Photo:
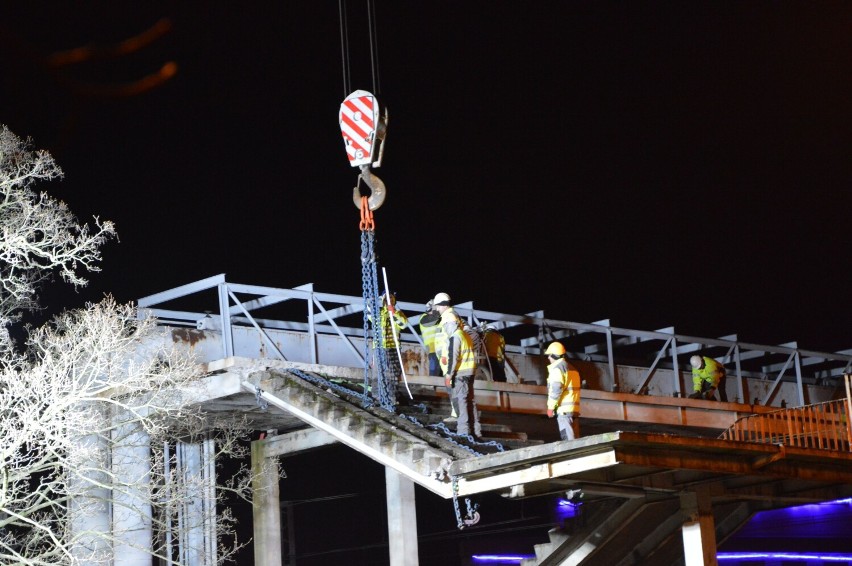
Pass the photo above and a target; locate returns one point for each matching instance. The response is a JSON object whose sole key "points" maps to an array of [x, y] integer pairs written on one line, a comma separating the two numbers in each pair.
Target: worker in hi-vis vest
{"points": [[458, 362], [390, 315], [429, 330], [708, 375], [563, 392], [495, 349]]}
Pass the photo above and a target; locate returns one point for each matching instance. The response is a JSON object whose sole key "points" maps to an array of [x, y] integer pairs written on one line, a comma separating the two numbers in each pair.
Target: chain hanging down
{"points": [[363, 126], [374, 355]]}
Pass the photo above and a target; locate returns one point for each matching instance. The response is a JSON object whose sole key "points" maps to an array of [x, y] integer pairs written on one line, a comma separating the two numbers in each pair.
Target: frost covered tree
{"points": [[98, 433], [40, 236]]}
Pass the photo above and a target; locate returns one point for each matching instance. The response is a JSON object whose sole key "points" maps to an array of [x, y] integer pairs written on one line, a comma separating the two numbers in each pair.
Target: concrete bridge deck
{"points": [[661, 458]]}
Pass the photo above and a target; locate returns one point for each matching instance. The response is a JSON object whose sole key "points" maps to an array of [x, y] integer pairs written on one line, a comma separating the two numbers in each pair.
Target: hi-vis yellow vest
{"points": [[563, 388], [429, 334], [460, 359]]}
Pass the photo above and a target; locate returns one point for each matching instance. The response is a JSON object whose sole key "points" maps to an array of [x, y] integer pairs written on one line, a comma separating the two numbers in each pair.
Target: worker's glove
{"points": [[696, 395], [550, 413]]}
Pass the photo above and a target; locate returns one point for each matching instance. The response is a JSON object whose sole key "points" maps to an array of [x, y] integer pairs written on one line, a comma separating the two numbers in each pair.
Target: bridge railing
{"points": [[215, 304], [824, 426]]}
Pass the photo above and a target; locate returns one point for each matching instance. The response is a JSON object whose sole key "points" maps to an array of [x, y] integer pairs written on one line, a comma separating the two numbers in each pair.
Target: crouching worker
{"points": [[708, 375], [563, 392]]}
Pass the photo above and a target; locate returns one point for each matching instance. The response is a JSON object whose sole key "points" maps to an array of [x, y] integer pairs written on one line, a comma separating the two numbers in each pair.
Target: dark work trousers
{"points": [[434, 366]]}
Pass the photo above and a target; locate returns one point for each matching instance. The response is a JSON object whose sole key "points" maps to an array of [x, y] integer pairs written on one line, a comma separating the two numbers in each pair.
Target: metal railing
{"points": [[600, 342], [824, 426]]}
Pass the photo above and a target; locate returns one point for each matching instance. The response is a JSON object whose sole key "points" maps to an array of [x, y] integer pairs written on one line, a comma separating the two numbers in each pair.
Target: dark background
{"points": [[654, 163]]}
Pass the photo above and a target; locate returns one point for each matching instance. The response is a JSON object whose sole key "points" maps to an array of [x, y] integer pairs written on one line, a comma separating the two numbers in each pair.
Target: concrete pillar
{"points": [[131, 503], [402, 519], [190, 514], [699, 529], [208, 475], [266, 507], [88, 504]]}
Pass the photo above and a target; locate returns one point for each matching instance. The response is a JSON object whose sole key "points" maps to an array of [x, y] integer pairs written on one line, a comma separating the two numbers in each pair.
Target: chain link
{"points": [[375, 355], [324, 383], [455, 481]]}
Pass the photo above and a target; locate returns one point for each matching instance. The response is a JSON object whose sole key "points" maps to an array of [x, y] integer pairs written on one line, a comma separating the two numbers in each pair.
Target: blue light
{"points": [[501, 558], [813, 521], [567, 509], [827, 557]]}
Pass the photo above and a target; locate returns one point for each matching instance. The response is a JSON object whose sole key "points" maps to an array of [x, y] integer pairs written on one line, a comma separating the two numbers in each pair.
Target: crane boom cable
{"points": [[374, 46], [344, 47]]}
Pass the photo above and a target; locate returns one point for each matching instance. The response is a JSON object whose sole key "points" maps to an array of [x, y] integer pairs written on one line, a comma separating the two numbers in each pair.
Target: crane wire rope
{"points": [[344, 47], [374, 46]]}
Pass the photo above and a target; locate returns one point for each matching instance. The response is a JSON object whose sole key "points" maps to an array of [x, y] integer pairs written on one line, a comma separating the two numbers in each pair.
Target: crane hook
{"points": [[378, 192]]}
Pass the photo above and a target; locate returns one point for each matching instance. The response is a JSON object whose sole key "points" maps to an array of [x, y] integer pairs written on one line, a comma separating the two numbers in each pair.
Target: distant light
{"points": [[501, 558], [568, 509], [828, 557]]}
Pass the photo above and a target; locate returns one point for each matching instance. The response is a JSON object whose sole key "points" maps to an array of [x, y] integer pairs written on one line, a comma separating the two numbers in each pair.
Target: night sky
{"points": [[654, 163]]}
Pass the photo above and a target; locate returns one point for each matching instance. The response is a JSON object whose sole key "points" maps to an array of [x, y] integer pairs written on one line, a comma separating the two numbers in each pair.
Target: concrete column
{"points": [[402, 519], [699, 529], [131, 503], [266, 507], [89, 502], [191, 512]]}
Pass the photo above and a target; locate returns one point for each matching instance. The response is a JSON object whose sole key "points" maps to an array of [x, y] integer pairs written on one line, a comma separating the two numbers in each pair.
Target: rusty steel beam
{"points": [[604, 405]]}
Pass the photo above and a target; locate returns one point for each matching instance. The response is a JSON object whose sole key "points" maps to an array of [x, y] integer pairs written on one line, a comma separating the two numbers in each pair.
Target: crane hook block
{"points": [[363, 125], [378, 192]]}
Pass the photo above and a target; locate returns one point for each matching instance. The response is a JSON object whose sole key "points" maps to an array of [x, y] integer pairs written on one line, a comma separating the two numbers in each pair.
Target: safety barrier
{"points": [[823, 426], [327, 314]]}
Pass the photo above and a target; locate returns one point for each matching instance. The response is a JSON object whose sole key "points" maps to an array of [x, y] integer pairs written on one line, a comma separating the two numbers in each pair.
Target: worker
{"points": [[563, 392], [456, 357], [429, 329], [708, 375], [480, 358], [390, 315], [495, 349], [441, 344]]}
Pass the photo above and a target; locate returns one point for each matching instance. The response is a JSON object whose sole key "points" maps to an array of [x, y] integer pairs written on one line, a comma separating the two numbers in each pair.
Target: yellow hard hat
{"points": [[555, 349]]}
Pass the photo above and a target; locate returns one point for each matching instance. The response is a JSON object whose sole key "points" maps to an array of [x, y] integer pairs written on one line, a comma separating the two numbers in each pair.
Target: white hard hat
{"points": [[695, 361], [441, 299]]}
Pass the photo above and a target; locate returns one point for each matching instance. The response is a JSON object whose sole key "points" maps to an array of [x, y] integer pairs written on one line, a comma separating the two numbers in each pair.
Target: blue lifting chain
{"points": [[370, 284]]}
